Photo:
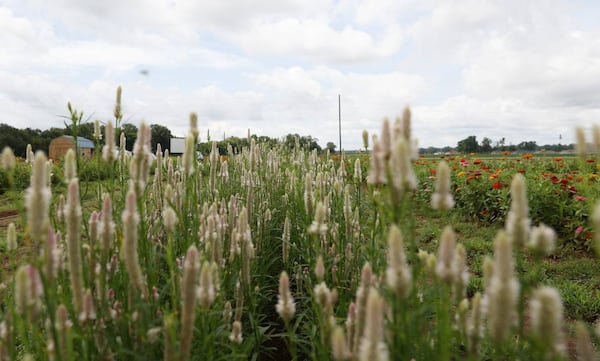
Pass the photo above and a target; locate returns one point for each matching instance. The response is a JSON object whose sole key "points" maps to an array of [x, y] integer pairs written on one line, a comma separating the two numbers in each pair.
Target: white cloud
{"points": [[488, 68], [317, 40], [307, 100]]}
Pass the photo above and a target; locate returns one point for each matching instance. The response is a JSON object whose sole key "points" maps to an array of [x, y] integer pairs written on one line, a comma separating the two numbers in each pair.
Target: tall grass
{"points": [[270, 253]]}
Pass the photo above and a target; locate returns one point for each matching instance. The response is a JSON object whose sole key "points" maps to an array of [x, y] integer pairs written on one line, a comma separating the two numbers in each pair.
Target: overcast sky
{"points": [[523, 70]]}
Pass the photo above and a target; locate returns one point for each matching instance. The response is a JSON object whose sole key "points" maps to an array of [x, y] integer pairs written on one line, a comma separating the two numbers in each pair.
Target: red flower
{"points": [[591, 161], [579, 198], [497, 185], [578, 230]]}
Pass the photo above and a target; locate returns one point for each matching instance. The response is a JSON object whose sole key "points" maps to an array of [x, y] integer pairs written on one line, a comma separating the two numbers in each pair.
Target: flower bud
{"points": [[286, 307]]}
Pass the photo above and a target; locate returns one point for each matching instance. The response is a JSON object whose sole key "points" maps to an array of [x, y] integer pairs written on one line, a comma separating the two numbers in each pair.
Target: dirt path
{"points": [[8, 216]]}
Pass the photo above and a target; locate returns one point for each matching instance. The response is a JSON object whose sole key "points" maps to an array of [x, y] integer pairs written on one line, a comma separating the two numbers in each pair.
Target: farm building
{"points": [[59, 146]]}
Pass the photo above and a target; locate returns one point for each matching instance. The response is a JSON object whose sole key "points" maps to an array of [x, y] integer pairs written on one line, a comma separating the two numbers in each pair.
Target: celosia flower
{"points": [[11, 237], [503, 291], [445, 269], [117, 113], [286, 307], [517, 220], [7, 160], [442, 199], [339, 346], [398, 274], [285, 239], [169, 218], [140, 162], [206, 291], [318, 226], [361, 305], [323, 295], [73, 238], [106, 226], [194, 126], [402, 174], [227, 313], [320, 269], [129, 251], [28, 292], [236, 333], [108, 150], [70, 166], [474, 324], [97, 133], [88, 312], [372, 344], [37, 200], [63, 324], [386, 140], [542, 239], [547, 321], [580, 144], [584, 345], [188, 297], [29, 156], [377, 172], [308, 194], [462, 272]]}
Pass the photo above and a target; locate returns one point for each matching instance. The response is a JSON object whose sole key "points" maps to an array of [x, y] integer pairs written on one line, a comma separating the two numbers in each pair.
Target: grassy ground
{"points": [[574, 273]]}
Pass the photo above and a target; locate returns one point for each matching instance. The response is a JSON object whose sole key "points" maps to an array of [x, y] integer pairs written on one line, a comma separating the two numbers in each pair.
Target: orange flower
{"points": [[558, 159], [477, 161], [527, 156]]}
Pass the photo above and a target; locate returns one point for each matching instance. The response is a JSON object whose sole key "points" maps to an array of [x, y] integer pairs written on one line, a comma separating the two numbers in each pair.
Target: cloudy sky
{"points": [[522, 70]]}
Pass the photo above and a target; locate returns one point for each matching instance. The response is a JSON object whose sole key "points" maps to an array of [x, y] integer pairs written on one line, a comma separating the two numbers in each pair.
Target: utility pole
{"points": [[340, 119]]}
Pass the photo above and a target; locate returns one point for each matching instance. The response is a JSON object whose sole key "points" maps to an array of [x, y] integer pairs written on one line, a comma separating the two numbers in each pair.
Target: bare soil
{"points": [[8, 216]]}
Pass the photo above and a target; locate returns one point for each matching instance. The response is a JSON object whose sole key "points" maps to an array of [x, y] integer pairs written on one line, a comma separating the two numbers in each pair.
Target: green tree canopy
{"points": [[160, 135], [468, 145], [130, 131]]}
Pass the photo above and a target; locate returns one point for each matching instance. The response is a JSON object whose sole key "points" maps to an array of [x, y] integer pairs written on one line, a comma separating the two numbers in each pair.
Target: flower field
{"points": [[277, 253]]}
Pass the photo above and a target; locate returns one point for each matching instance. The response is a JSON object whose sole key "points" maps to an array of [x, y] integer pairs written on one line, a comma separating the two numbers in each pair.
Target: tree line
{"points": [[18, 139], [470, 144]]}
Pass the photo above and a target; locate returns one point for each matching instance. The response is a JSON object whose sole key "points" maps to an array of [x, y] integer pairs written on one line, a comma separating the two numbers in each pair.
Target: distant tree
{"points": [[272, 142], [160, 134], [527, 146], [486, 145], [53, 133], [500, 144], [306, 142], [14, 138], [468, 145], [331, 147], [130, 131]]}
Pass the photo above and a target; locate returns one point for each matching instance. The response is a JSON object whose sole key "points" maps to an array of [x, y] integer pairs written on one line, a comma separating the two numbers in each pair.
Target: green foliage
{"points": [[468, 145], [233, 210], [160, 135]]}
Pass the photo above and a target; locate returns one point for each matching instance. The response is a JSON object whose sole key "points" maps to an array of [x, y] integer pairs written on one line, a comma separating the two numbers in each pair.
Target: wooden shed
{"points": [[59, 146]]}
